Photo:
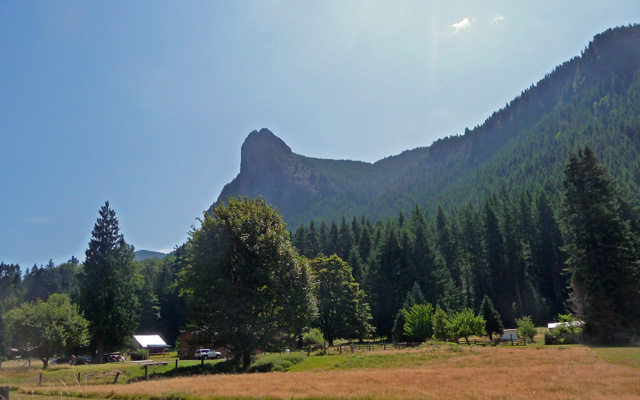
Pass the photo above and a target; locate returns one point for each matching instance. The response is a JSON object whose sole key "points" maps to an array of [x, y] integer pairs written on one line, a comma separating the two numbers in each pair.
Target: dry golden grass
{"points": [[488, 373]]}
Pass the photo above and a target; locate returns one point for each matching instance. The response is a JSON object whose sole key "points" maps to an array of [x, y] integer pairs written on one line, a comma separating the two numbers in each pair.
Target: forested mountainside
{"points": [[593, 100]]}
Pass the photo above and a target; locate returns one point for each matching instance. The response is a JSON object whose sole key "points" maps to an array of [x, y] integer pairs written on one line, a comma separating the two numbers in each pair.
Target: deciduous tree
{"points": [[342, 309], [418, 322], [246, 283], [465, 323], [51, 327]]}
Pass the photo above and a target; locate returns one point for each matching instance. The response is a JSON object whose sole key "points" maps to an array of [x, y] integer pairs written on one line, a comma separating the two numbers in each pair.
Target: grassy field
{"points": [[629, 356], [445, 372]]}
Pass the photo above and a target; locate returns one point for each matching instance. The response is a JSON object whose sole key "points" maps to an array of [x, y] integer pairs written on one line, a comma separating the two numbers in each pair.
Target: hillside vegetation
{"points": [[592, 99]]}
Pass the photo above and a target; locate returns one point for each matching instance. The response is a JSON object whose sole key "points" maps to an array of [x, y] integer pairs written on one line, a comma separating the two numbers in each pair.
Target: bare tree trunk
{"points": [[246, 359], [100, 348]]}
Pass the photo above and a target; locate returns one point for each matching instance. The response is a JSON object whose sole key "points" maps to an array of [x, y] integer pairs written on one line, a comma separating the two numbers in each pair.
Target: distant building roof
{"points": [[146, 341], [552, 325]]}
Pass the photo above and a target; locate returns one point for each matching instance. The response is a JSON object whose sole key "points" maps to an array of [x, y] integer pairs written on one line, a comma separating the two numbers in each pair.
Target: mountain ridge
{"points": [[590, 99]]}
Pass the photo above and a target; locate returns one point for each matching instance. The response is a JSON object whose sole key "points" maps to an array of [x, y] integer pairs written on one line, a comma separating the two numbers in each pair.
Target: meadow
{"points": [[430, 372]]}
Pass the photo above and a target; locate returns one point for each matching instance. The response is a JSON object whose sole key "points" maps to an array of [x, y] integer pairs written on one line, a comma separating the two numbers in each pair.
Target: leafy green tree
{"points": [[52, 327], [603, 260], [109, 284], [313, 337], [415, 296], [246, 283], [418, 324], [493, 322], [465, 323], [441, 324], [342, 309], [568, 324], [526, 329]]}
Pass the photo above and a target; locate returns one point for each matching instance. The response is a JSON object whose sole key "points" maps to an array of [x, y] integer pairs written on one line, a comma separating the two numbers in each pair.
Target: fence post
{"points": [[4, 392], [118, 374], [145, 370], [40, 380], [78, 378], [176, 363]]}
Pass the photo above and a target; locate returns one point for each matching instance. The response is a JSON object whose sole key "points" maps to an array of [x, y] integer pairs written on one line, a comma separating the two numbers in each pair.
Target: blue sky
{"points": [[146, 103]]}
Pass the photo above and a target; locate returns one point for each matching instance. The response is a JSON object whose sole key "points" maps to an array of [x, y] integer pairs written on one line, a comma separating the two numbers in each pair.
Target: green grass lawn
{"points": [[380, 359], [629, 356], [13, 373]]}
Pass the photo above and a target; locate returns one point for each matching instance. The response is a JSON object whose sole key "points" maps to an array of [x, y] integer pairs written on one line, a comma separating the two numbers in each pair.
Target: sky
{"points": [[146, 104]]}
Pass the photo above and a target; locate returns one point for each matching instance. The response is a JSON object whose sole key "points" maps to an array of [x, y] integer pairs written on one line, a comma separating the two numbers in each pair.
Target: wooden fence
{"points": [[346, 348]]}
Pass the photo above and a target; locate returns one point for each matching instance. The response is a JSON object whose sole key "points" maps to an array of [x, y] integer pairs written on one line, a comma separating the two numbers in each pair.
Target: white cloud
{"points": [[464, 24], [497, 19]]}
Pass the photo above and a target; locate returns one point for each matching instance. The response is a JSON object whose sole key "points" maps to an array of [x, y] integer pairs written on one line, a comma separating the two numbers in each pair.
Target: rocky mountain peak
{"points": [[262, 150]]}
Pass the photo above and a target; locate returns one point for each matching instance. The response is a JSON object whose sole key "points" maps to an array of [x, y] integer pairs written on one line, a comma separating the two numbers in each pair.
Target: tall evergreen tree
{"points": [[605, 278], [422, 259], [446, 245], [312, 242], [108, 290], [345, 239], [495, 257], [493, 321], [548, 256], [477, 282]]}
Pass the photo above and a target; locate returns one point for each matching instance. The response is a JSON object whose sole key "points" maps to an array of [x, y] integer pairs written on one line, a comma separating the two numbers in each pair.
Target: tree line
{"points": [[245, 282]]}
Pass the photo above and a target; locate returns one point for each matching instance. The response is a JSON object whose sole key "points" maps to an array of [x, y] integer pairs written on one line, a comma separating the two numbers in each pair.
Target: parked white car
{"points": [[205, 354]]}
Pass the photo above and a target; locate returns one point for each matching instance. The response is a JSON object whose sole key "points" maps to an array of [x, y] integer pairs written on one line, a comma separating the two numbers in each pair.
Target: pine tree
{"points": [[494, 253], [605, 278], [493, 322], [548, 257], [108, 289]]}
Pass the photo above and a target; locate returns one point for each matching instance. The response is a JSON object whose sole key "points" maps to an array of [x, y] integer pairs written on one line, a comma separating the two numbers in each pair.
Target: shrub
{"points": [[275, 362], [140, 354], [568, 324], [313, 338], [418, 325], [526, 328], [440, 324]]}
